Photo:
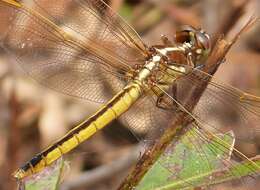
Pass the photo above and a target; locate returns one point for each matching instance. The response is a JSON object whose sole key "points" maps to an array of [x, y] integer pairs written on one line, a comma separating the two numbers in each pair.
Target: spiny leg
{"points": [[166, 103]]}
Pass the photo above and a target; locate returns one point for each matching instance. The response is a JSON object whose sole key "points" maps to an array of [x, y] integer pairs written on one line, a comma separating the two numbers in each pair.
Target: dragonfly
{"points": [[92, 53]]}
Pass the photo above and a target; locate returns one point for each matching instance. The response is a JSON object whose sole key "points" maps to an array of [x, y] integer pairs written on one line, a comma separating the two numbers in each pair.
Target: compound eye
{"points": [[182, 36], [202, 41], [185, 34]]}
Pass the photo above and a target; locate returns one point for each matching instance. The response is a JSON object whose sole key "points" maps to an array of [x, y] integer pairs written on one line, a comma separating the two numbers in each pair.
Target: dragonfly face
{"points": [[197, 39]]}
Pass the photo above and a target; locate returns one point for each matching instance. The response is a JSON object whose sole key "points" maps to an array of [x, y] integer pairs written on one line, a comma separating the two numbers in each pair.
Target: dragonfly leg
{"points": [[160, 103], [189, 60], [165, 102]]}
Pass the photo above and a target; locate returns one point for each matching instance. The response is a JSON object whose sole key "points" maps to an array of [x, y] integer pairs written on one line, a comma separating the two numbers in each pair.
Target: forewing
{"points": [[95, 21], [67, 59]]}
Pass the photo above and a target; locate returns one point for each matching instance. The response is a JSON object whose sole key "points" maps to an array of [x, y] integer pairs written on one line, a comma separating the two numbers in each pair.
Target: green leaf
{"points": [[195, 162], [49, 178]]}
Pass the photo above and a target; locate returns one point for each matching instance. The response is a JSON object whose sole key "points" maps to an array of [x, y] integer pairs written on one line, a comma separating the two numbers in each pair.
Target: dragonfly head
{"points": [[197, 39]]}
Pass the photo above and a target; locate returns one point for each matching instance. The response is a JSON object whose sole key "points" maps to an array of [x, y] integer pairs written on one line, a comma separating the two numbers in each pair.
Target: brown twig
{"points": [[182, 120]]}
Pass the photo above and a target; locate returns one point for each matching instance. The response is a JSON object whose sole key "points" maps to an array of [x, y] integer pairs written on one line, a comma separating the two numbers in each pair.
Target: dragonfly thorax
{"points": [[146, 73], [158, 71]]}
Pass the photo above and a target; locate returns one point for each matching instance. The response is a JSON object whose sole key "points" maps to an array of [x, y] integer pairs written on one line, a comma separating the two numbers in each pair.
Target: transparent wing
{"points": [[145, 119], [74, 61], [95, 21], [221, 106]]}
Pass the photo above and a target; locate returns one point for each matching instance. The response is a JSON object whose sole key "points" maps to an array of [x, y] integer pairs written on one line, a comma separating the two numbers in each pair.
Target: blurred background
{"points": [[32, 116]]}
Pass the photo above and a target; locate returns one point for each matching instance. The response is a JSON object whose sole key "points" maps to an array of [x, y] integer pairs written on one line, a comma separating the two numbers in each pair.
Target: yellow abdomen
{"points": [[110, 111]]}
